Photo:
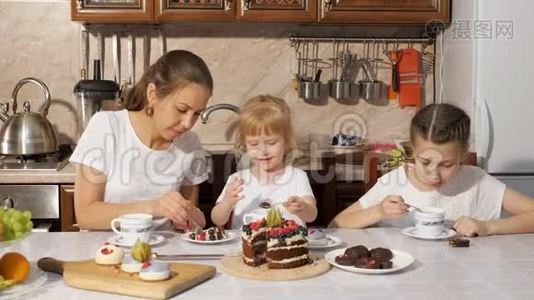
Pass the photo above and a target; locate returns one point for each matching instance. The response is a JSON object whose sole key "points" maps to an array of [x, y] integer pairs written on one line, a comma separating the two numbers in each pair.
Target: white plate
{"points": [[154, 240], [35, 280], [333, 241], [411, 232], [400, 261], [229, 235]]}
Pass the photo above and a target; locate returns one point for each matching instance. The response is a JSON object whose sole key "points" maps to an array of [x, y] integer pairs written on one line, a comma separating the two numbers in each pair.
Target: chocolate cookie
{"points": [[380, 253], [344, 260], [457, 242], [357, 252], [386, 264], [368, 263]]}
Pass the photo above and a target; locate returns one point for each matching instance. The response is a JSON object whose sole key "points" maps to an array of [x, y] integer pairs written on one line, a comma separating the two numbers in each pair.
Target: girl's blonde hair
{"points": [[268, 115]]}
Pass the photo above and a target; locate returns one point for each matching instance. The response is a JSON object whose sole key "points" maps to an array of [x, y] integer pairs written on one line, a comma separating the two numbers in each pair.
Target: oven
{"points": [[42, 200]]}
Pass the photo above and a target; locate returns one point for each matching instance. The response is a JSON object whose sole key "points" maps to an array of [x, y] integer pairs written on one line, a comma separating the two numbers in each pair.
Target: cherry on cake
{"points": [[277, 242]]}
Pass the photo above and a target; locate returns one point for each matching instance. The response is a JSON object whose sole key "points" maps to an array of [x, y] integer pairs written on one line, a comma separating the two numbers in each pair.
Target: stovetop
{"points": [[40, 162]]}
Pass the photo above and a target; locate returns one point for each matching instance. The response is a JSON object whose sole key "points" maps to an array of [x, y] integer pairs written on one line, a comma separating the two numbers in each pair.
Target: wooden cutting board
{"points": [[90, 276], [234, 265]]}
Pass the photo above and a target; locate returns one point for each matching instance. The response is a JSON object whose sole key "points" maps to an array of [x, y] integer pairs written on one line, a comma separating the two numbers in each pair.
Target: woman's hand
{"points": [[175, 207], [231, 194], [470, 227], [393, 207]]}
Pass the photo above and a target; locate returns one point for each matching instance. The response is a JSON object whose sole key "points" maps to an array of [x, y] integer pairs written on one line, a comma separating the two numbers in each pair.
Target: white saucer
{"points": [[154, 240], [411, 232], [333, 241], [400, 261]]}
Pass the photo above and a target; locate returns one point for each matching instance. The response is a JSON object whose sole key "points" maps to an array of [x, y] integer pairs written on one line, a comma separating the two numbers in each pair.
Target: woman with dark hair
{"points": [[143, 159]]}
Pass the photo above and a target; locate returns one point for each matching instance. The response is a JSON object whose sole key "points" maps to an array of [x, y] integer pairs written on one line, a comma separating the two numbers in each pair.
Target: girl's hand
{"points": [[393, 207], [294, 205], [232, 192], [173, 206], [470, 227]]}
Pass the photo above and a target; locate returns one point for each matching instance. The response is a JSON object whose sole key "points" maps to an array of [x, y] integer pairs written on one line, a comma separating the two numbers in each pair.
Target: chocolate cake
{"points": [[278, 242], [361, 257]]}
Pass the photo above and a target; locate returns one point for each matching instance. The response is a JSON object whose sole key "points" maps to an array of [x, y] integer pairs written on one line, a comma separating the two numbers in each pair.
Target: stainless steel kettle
{"points": [[27, 133]]}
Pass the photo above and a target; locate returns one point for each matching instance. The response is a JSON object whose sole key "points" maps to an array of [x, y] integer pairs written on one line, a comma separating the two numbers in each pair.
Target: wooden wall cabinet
{"points": [[112, 11], [195, 10], [384, 11], [285, 11]]}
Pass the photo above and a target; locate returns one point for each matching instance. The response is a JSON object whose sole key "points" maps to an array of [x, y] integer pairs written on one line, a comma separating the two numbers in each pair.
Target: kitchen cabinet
{"points": [[297, 11], [112, 11], [68, 217], [287, 11], [384, 11], [195, 10]]}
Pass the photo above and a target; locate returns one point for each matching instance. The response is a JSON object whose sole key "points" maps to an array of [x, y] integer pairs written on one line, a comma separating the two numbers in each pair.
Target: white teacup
{"points": [[133, 227], [430, 221]]}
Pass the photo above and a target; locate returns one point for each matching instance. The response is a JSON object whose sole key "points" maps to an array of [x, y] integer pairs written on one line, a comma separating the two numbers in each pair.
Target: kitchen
{"points": [[55, 55]]}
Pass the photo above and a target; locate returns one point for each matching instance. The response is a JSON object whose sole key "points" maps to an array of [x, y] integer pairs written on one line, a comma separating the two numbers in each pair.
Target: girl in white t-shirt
{"points": [[267, 139], [472, 199], [143, 159]]}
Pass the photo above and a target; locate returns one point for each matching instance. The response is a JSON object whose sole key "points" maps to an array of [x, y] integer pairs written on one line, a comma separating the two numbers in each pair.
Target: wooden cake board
{"points": [[235, 266]]}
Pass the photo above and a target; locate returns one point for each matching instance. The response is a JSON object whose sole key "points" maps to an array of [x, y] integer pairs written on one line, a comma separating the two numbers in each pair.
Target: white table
{"points": [[496, 267]]}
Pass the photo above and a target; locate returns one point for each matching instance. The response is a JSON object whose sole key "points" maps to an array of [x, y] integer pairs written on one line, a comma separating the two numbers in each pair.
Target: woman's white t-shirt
{"points": [[293, 182], [472, 192], [135, 172]]}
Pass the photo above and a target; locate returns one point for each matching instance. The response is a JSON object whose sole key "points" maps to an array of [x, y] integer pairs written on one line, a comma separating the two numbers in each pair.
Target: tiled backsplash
{"points": [[38, 39]]}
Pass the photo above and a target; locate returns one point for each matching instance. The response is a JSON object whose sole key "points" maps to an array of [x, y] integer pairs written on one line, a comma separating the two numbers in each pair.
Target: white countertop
{"points": [[496, 267], [66, 175]]}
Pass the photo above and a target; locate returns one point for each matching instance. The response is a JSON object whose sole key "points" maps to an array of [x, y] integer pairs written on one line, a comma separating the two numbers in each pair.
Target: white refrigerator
{"points": [[500, 84]]}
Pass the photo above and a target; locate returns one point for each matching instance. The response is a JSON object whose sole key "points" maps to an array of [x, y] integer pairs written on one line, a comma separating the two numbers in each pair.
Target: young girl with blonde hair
{"points": [[266, 139]]}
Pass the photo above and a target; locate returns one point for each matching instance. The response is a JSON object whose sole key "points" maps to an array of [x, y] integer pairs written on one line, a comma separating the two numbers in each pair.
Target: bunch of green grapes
{"points": [[16, 223]]}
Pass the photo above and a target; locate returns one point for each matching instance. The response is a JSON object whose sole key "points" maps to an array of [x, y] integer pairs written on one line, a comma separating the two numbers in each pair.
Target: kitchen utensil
{"points": [[100, 52], [268, 205], [339, 89], [414, 207], [235, 266], [90, 276], [95, 95], [26, 132], [394, 57], [309, 90], [84, 53], [370, 88], [146, 49], [115, 47], [176, 257]]}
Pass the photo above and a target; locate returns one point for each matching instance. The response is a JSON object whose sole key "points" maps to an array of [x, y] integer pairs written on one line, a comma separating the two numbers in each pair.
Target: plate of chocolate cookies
{"points": [[360, 259]]}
